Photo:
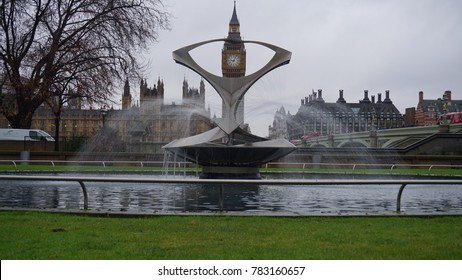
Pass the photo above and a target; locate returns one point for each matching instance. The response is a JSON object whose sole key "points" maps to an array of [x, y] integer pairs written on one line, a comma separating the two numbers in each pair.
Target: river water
{"points": [[168, 198]]}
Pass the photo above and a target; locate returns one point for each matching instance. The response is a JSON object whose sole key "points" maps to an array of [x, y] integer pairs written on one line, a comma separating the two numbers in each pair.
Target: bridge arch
{"points": [[391, 141], [352, 144], [319, 145]]}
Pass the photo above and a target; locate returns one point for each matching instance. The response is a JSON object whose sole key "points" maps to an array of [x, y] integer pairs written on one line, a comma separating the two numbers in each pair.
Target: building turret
{"points": [[185, 88], [160, 88], [151, 98], [126, 97], [142, 88], [202, 91], [194, 96]]}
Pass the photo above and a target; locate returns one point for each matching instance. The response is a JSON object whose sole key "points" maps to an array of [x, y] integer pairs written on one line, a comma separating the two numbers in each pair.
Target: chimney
{"points": [[373, 99], [319, 99], [366, 95], [421, 96], [387, 97], [340, 97], [303, 101], [379, 97]]}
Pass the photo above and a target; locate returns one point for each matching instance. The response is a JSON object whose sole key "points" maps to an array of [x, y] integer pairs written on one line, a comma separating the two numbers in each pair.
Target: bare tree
{"points": [[50, 47]]}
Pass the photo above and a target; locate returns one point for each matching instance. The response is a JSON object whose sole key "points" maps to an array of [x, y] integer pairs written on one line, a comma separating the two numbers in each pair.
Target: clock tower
{"points": [[233, 57], [233, 53]]}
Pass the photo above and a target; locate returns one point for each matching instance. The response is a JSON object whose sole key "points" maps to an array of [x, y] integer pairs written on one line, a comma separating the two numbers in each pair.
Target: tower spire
{"points": [[234, 32], [234, 19]]}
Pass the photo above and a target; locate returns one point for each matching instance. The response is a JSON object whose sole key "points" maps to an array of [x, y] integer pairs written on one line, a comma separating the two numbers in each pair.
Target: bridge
{"points": [[387, 138]]}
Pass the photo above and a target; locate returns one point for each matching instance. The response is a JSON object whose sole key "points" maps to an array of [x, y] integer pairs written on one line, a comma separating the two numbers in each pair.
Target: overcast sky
{"points": [[404, 46]]}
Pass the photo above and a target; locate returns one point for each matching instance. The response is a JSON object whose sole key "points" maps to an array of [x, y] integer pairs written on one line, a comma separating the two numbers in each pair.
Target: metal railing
{"points": [[101, 163], [354, 167], [209, 182], [303, 167]]}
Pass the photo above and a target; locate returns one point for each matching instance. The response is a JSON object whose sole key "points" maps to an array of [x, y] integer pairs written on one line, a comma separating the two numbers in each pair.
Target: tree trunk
{"points": [[24, 114], [57, 122], [23, 119]]}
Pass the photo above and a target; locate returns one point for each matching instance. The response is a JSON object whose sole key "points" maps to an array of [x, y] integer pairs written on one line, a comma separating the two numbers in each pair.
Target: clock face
{"points": [[233, 60]]}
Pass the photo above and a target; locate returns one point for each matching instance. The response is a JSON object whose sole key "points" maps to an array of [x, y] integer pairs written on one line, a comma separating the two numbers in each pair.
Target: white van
{"points": [[11, 134]]}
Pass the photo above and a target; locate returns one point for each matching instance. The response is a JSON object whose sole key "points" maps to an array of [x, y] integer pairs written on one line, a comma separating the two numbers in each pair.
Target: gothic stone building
{"points": [[317, 117], [154, 121], [150, 121]]}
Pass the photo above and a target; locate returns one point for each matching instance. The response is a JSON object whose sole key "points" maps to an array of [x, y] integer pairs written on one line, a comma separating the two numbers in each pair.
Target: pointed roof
{"points": [[234, 33], [126, 88], [234, 19]]}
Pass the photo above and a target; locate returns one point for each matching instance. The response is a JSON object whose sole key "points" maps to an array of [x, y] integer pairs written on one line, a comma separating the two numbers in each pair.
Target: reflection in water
{"points": [[250, 198]]}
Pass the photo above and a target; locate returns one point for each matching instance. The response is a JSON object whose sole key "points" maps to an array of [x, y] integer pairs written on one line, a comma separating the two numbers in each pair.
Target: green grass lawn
{"points": [[37, 235]]}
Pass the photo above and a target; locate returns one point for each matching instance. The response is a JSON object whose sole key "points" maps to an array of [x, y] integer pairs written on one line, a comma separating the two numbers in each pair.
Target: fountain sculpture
{"points": [[229, 151]]}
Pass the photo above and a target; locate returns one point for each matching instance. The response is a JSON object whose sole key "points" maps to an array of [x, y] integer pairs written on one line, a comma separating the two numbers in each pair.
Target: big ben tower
{"points": [[233, 59]]}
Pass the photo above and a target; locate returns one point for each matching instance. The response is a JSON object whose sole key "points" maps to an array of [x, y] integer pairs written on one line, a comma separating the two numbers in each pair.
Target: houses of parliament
{"points": [[149, 121]]}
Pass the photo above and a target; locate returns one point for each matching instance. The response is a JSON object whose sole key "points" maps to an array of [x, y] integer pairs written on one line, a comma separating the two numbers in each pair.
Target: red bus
{"points": [[450, 118]]}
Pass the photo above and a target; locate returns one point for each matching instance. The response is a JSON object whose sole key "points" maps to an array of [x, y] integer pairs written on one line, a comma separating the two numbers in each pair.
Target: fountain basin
{"points": [[222, 161]]}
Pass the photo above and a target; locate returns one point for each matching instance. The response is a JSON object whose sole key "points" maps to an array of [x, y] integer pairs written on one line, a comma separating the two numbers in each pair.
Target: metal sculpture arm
{"points": [[231, 90]]}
